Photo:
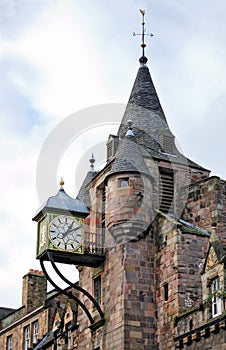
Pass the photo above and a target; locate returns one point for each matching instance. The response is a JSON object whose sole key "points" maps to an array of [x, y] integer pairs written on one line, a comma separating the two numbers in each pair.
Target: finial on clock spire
{"points": [[61, 183]]}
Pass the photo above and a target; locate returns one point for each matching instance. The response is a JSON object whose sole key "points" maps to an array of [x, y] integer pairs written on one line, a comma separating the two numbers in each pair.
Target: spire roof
{"points": [[145, 112], [144, 108], [83, 194]]}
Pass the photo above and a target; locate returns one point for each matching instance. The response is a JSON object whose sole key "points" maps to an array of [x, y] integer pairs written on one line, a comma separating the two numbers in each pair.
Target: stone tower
{"points": [[138, 197]]}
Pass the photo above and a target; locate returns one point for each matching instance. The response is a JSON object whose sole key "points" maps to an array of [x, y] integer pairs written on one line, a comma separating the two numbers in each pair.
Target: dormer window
{"points": [[112, 145], [167, 143]]}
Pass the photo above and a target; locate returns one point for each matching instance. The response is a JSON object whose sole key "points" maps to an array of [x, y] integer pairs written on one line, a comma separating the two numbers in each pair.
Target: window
{"points": [[97, 288], [112, 145], [103, 216], [10, 342], [166, 291], [35, 332], [26, 337], [68, 336], [110, 149], [216, 300], [70, 340], [123, 182]]}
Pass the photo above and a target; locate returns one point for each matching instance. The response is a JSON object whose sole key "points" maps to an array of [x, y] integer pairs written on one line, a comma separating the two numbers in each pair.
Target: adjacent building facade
{"points": [[153, 251], [45, 320]]}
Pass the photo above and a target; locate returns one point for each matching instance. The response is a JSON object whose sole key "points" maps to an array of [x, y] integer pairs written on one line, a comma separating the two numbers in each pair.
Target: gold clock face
{"points": [[65, 233]]}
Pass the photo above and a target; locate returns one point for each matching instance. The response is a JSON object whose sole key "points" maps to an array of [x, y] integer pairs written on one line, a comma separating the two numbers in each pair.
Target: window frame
{"points": [[27, 337], [123, 182], [69, 338], [35, 332], [97, 286], [216, 300], [9, 342], [166, 291]]}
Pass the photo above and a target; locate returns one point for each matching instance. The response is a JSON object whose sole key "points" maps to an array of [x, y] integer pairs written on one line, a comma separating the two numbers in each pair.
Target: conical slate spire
{"points": [[83, 194], [144, 108], [149, 122]]}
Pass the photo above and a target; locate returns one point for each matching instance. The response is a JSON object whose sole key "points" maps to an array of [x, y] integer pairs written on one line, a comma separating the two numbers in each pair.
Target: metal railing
{"points": [[93, 243]]}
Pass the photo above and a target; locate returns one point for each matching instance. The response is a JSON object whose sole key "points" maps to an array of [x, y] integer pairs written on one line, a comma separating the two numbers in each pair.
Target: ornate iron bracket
{"points": [[100, 322]]}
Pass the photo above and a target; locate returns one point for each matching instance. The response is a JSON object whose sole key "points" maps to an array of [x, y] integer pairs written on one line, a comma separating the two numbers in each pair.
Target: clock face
{"points": [[65, 233]]}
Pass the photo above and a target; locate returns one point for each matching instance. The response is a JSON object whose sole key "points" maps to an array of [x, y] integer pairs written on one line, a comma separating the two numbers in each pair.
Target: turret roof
{"points": [[128, 157]]}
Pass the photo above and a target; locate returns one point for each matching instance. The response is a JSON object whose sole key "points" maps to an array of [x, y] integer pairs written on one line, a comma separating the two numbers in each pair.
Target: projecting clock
{"points": [[65, 233]]}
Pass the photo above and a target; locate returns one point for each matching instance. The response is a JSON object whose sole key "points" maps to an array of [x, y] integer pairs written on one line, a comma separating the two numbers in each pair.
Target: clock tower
{"points": [[62, 233]]}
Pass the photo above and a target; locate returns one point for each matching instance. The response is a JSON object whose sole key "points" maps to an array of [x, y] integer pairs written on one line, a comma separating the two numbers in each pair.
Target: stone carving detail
{"points": [[212, 259]]}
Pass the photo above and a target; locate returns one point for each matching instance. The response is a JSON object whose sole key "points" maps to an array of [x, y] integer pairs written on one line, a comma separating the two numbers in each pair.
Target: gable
{"points": [[57, 321], [211, 260]]}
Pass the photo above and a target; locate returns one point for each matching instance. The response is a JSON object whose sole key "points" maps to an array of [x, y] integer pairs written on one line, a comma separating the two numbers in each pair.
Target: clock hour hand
{"points": [[70, 229]]}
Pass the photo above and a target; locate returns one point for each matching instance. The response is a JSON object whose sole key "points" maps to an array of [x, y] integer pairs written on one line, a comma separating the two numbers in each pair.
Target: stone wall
{"points": [[111, 335], [139, 295], [178, 280], [206, 205]]}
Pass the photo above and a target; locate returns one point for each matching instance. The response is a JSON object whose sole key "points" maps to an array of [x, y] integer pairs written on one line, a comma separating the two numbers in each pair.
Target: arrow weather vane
{"points": [[143, 59]]}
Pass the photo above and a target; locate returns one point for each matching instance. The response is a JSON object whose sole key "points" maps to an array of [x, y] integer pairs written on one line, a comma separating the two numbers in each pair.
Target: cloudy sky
{"points": [[58, 57]]}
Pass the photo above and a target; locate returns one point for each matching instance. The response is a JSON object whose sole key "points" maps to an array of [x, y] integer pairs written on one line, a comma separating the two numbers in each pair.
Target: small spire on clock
{"points": [[143, 59], [92, 161], [61, 183]]}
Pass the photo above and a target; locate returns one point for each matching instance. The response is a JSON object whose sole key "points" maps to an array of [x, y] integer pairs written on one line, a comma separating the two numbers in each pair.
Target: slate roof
{"points": [[144, 112], [149, 121], [184, 226], [83, 194], [144, 108], [62, 201], [128, 157], [5, 311]]}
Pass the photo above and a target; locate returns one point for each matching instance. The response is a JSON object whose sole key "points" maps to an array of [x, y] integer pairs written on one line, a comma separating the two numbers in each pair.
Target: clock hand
{"points": [[71, 230]]}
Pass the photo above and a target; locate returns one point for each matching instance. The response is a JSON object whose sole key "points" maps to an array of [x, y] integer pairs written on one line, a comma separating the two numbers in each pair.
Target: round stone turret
{"points": [[128, 192]]}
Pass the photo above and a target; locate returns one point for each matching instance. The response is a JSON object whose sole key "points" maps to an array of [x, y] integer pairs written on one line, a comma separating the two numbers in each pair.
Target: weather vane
{"points": [[143, 59]]}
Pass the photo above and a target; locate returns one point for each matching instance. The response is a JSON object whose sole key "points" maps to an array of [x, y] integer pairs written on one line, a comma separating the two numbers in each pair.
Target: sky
{"points": [[64, 59]]}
